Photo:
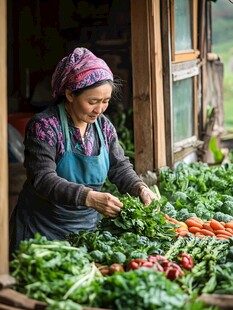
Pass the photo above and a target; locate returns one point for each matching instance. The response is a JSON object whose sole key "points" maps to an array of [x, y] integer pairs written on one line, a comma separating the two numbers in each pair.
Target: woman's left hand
{"points": [[147, 195]]}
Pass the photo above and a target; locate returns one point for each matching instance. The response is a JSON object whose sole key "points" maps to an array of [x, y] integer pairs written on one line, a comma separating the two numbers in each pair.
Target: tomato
{"points": [[115, 268]]}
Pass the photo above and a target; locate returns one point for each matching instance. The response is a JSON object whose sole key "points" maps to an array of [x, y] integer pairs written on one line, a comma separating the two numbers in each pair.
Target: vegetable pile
{"points": [[163, 256]]}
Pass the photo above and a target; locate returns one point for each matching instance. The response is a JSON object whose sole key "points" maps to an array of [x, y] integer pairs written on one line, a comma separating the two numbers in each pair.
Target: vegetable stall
{"points": [[177, 253]]}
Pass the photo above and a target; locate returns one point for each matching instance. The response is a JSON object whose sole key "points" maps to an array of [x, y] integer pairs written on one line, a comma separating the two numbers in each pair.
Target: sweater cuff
{"points": [[83, 195], [137, 189]]}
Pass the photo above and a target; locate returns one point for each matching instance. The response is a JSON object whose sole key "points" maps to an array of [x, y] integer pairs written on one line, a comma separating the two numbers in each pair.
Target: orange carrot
{"points": [[208, 227], [180, 229], [223, 232], [198, 234], [222, 236], [174, 221], [229, 229], [194, 229], [229, 224], [223, 224], [216, 224], [183, 233], [197, 219], [193, 223], [207, 232], [166, 217]]}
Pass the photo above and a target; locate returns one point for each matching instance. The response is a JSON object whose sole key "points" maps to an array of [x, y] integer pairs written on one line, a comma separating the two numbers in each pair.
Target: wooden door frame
{"points": [[147, 77], [5, 279]]}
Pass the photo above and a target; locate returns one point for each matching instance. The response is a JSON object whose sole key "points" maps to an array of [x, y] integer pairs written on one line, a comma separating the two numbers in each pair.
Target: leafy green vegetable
{"points": [[222, 217], [135, 217], [227, 208], [51, 270], [140, 289], [105, 248], [170, 210], [200, 189]]}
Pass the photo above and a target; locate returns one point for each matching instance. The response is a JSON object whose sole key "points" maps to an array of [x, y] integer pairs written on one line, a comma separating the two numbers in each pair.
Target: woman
{"points": [[70, 150]]}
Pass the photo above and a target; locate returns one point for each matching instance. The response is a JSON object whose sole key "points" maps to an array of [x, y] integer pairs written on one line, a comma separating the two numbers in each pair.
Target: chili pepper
{"points": [[186, 261]]}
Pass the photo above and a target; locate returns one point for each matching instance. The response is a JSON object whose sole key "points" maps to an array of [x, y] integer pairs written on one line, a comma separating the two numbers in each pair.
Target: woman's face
{"points": [[89, 105]]}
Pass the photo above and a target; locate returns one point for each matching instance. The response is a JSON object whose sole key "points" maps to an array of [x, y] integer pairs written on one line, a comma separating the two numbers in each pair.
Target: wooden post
{"points": [[5, 279], [157, 84], [148, 103], [142, 103]]}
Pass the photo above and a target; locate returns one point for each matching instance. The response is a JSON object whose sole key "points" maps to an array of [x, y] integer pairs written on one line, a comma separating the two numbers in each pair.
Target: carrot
{"points": [[208, 227], [229, 225], [223, 232], [180, 229], [199, 235], [216, 225], [194, 229], [174, 221], [229, 229], [190, 223], [167, 217], [223, 224], [183, 233], [197, 219], [207, 232], [222, 236]]}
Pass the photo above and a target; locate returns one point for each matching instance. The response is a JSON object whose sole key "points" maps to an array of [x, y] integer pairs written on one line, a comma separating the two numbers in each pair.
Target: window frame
{"points": [[193, 53]]}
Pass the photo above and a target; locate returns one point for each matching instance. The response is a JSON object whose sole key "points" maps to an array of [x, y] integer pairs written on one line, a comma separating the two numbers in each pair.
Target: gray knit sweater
{"points": [[44, 147]]}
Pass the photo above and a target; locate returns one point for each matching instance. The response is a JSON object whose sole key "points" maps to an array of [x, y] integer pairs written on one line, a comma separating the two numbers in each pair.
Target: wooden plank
{"points": [[4, 265], [167, 82], [141, 77], [6, 307], [15, 299], [157, 84]]}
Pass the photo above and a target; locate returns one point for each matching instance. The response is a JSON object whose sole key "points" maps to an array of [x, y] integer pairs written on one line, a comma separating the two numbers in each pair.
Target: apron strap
{"points": [[100, 134], [64, 125], [65, 128]]}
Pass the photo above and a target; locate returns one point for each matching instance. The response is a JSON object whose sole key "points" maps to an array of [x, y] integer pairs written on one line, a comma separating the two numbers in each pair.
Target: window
{"points": [[184, 30], [185, 70]]}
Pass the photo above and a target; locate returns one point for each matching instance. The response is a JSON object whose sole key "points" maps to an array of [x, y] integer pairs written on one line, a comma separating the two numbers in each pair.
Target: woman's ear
{"points": [[69, 95]]}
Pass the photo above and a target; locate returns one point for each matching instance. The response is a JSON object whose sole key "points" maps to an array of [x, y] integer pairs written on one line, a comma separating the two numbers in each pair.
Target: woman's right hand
{"points": [[104, 203]]}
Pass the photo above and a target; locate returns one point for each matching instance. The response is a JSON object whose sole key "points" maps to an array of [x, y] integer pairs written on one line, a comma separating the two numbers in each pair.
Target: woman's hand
{"points": [[104, 203], [147, 195]]}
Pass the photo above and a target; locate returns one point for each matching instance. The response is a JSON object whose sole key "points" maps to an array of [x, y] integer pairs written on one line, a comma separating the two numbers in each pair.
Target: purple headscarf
{"points": [[79, 69]]}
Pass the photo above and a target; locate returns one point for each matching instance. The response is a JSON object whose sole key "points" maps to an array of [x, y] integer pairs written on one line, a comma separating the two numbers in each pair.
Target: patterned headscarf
{"points": [[79, 69]]}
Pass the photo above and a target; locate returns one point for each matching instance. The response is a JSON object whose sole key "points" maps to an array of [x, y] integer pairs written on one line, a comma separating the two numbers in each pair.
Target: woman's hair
{"points": [[116, 89]]}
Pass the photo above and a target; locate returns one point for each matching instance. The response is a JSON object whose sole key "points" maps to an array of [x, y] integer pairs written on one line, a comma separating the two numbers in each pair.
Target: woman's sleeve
{"points": [[43, 142], [121, 171]]}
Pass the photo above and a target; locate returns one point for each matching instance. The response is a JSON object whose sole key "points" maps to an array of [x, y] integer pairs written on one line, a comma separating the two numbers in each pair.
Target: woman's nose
{"points": [[99, 109]]}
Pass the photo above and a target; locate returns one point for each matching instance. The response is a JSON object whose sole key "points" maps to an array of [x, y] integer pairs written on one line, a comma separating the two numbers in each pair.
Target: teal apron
{"points": [[36, 214]]}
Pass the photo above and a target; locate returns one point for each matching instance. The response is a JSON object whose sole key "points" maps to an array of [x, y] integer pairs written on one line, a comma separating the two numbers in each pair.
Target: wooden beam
{"points": [[157, 84], [4, 265], [141, 76], [167, 79]]}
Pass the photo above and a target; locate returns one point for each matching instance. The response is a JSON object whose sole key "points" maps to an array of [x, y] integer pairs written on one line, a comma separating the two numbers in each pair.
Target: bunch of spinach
{"points": [[197, 188], [105, 248], [136, 218], [142, 289]]}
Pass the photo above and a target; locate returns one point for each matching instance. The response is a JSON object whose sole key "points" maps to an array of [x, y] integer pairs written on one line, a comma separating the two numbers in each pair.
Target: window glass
{"points": [[183, 109], [183, 28]]}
